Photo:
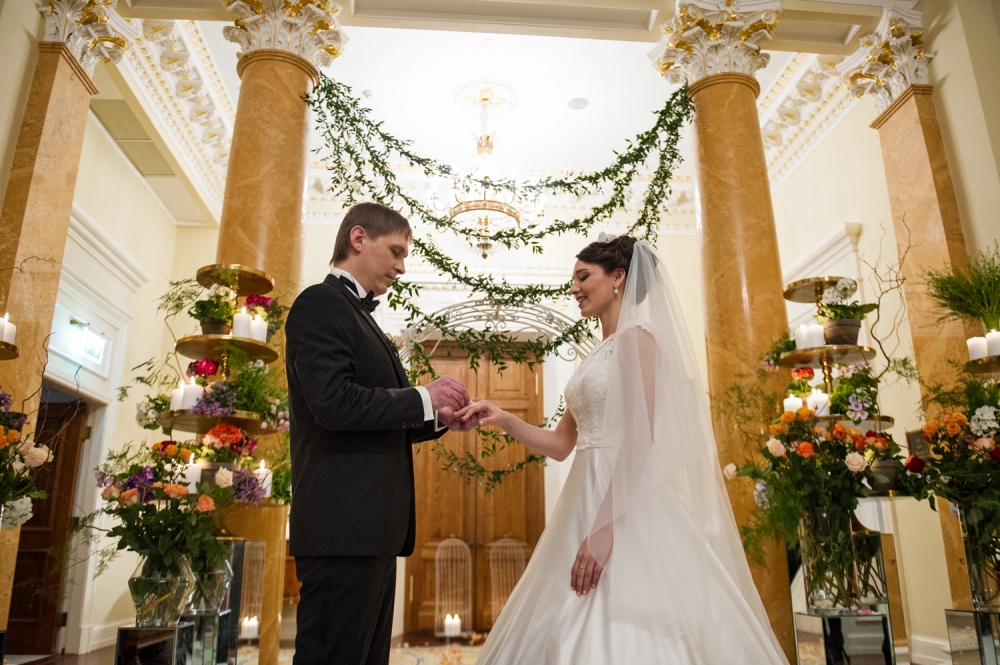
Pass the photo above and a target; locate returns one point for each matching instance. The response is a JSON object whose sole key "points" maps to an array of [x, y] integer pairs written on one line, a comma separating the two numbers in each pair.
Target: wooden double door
{"points": [[448, 506]]}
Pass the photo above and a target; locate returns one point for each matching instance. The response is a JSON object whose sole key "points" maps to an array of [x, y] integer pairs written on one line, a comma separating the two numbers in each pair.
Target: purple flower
{"points": [[246, 487], [141, 481], [856, 409], [760, 495], [6, 400], [103, 479], [219, 400]]}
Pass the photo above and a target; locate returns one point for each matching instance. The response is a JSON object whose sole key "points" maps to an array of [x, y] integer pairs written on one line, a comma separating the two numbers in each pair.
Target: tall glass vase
{"points": [[160, 596], [982, 555], [828, 562], [210, 589]]}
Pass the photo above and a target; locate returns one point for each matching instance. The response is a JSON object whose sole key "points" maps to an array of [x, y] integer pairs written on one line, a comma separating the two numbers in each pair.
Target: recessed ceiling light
{"points": [[578, 103], [367, 93]]}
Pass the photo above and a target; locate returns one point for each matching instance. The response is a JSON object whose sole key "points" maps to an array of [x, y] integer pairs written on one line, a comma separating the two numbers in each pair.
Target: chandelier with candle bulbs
{"points": [[487, 200]]}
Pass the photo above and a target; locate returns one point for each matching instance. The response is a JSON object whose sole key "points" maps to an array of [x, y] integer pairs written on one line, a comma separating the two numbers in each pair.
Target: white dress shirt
{"points": [[425, 397]]}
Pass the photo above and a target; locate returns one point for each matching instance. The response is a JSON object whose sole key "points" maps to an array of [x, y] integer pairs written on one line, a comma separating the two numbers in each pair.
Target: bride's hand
{"points": [[586, 571], [489, 414]]}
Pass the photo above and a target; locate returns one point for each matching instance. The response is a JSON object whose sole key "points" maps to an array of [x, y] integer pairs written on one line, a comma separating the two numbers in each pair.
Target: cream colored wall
{"points": [[116, 197], [21, 26], [964, 37], [843, 180]]}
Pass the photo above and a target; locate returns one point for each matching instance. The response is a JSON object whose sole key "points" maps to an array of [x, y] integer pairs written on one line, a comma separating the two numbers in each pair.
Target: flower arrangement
{"points": [[219, 305], [202, 368], [227, 444], [19, 455], [836, 303], [250, 387], [801, 378], [855, 394], [970, 297], [268, 309], [784, 344]]}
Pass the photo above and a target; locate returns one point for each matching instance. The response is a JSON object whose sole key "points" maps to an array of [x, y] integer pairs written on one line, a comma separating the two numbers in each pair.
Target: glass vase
{"points": [[828, 565], [982, 555], [160, 596], [210, 590]]}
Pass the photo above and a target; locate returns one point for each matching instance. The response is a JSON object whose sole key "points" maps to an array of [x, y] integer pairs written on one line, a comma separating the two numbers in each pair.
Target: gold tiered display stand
{"points": [[987, 365], [246, 281], [9, 351], [810, 291]]}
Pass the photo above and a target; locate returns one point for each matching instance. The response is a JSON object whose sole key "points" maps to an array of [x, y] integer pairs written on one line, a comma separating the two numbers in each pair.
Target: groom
{"points": [[354, 417]]}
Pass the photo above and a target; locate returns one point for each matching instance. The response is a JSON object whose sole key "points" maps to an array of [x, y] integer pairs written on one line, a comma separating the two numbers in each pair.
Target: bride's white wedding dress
{"points": [[673, 591]]}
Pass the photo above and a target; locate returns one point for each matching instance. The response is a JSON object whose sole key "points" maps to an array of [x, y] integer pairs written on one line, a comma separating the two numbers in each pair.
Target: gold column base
{"points": [[266, 522]]}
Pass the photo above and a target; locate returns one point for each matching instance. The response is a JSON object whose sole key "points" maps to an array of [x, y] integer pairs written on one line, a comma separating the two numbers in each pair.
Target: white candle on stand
{"points": [[9, 329], [258, 329], [177, 397], [819, 402], [452, 625], [264, 477], [977, 348], [992, 342], [250, 628], [801, 339], [815, 336], [241, 324], [192, 475], [3, 325], [793, 403], [192, 393]]}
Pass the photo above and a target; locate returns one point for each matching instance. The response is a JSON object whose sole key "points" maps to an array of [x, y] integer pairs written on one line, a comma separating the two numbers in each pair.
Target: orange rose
{"points": [[805, 413], [172, 450], [110, 492], [817, 431], [787, 417], [931, 428], [175, 491], [805, 449], [185, 454], [130, 497], [953, 428], [206, 504], [156, 447], [839, 432], [157, 484], [777, 430]]}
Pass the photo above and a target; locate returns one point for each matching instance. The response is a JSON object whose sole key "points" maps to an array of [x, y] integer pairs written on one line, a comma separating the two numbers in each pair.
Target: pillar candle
{"points": [[249, 628], [452, 625], [3, 325], [9, 330], [264, 477], [819, 402], [815, 336], [258, 329], [192, 475], [977, 348], [793, 403], [992, 342], [241, 324], [177, 397], [801, 341], [192, 393]]}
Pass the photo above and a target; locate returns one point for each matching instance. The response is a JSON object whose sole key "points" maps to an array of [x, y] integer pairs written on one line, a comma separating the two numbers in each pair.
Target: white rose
{"points": [[856, 462], [37, 456], [224, 478], [17, 513], [776, 448], [729, 471]]}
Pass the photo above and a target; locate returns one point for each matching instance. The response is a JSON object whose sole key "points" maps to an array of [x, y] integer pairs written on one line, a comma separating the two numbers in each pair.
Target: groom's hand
{"points": [[447, 392], [446, 417]]}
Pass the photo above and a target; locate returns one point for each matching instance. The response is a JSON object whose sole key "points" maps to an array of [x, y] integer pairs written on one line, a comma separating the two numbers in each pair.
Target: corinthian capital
{"points": [[92, 30], [711, 38], [307, 28], [890, 60]]}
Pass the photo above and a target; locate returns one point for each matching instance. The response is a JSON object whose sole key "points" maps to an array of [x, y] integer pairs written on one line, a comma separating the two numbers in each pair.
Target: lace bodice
{"points": [[587, 395]]}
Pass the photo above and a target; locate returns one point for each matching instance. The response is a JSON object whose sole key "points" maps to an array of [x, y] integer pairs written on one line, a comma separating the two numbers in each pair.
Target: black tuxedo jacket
{"points": [[353, 418]]}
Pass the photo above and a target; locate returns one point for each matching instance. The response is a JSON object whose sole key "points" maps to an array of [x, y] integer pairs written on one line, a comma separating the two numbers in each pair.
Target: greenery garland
{"points": [[359, 153]]}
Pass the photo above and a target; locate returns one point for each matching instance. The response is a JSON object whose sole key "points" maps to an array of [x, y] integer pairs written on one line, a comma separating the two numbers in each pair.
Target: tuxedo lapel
{"points": [[364, 314]]}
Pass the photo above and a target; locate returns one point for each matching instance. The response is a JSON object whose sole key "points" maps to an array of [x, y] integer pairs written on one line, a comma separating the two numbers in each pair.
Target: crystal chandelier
{"points": [[470, 200]]}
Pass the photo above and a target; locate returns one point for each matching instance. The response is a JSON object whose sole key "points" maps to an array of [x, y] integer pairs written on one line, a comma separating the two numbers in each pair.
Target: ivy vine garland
{"points": [[359, 152]]}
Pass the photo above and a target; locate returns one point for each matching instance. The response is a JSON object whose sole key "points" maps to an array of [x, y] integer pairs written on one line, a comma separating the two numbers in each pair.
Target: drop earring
{"points": [[616, 289]]}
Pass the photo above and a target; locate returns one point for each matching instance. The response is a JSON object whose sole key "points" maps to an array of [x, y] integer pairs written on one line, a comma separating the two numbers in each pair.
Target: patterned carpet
{"points": [[450, 655]]}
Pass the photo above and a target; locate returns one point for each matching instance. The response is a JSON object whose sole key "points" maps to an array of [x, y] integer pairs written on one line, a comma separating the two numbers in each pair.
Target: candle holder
{"points": [[810, 290], [214, 347], [9, 351], [185, 421], [245, 280], [987, 365], [825, 357]]}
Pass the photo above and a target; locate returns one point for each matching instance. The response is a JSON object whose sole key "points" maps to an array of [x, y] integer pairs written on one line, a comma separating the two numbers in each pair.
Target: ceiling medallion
{"points": [[483, 209]]}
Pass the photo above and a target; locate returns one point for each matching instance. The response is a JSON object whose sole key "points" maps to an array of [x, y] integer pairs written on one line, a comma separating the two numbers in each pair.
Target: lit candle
{"points": [[819, 402], [815, 336], [241, 324], [3, 325], [801, 339], [264, 477], [977, 348], [192, 475], [250, 628], [452, 625], [258, 329], [793, 403], [9, 329], [992, 341], [177, 397], [192, 393]]}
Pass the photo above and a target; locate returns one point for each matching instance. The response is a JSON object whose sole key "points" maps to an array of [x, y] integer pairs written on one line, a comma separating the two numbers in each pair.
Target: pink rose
{"points": [[775, 447], [729, 471], [856, 462], [206, 504], [129, 497], [37, 456], [984, 444], [110, 492]]}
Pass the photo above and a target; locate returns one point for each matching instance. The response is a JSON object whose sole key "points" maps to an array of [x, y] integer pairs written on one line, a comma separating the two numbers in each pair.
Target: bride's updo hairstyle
{"points": [[611, 255]]}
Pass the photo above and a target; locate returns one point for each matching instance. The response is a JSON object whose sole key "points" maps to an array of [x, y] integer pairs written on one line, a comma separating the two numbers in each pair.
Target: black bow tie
{"points": [[368, 301]]}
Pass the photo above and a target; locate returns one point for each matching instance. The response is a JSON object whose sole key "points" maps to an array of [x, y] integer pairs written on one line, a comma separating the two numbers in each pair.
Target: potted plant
{"points": [[215, 311], [855, 395], [971, 297], [841, 317], [268, 309]]}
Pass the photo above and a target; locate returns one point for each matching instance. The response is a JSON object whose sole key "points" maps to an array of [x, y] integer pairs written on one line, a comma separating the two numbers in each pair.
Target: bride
{"points": [[641, 562]]}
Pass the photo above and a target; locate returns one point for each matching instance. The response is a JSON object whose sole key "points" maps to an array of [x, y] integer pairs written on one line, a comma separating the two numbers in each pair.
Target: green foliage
{"points": [[856, 381], [179, 297], [280, 463], [970, 297], [800, 388], [851, 310]]}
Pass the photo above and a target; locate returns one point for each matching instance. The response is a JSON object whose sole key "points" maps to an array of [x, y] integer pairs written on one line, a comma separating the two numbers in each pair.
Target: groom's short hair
{"points": [[376, 219]]}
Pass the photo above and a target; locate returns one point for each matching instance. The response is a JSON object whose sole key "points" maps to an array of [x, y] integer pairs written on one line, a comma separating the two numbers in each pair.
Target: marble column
{"points": [[283, 44], [716, 53], [34, 220], [892, 67], [264, 203]]}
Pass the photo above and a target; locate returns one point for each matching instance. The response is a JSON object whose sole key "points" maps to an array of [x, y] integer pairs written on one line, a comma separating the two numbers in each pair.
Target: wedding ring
{"points": [[582, 567]]}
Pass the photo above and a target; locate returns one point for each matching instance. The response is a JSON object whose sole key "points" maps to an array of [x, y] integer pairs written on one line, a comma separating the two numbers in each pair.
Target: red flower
{"points": [[995, 454], [914, 464], [803, 373], [805, 449]]}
